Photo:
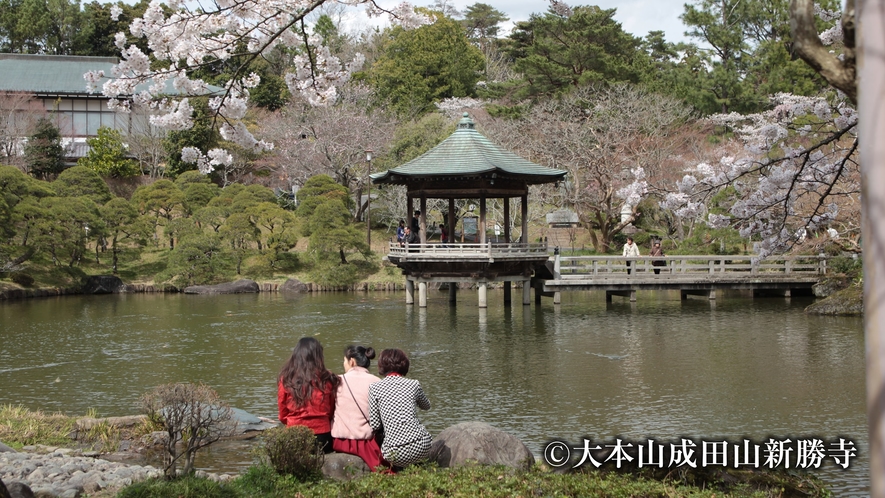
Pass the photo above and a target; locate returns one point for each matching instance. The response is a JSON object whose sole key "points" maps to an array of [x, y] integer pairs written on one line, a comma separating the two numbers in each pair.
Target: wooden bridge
{"points": [[691, 275], [533, 267]]}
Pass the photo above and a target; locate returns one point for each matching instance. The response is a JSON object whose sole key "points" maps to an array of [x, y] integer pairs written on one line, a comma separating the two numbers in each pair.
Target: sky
{"points": [[637, 17]]}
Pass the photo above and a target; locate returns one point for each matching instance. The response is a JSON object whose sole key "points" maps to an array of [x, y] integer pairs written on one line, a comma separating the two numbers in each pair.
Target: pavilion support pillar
{"points": [[483, 297], [507, 220], [423, 219], [453, 289], [526, 292], [410, 291], [507, 299], [450, 224], [482, 219], [422, 294], [409, 210], [524, 206]]}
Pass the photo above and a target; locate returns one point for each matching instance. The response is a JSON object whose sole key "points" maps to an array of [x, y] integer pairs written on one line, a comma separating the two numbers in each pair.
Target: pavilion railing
{"points": [[456, 250]]}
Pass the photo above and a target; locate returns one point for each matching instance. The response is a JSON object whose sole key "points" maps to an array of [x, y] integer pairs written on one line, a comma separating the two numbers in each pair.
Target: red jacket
{"points": [[316, 414]]}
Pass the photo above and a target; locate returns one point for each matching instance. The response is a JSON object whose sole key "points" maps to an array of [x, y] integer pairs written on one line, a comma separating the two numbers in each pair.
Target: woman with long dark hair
{"points": [[351, 432], [306, 391], [392, 405]]}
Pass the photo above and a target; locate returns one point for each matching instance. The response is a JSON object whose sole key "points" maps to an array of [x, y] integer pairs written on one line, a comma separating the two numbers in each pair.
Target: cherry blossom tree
{"points": [[614, 141], [330, 140], [183, 37], [19, 113]]}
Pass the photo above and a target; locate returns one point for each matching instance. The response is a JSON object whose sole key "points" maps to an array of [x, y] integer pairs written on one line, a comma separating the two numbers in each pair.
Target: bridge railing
{"points": [[489, 249], [693, 266]]}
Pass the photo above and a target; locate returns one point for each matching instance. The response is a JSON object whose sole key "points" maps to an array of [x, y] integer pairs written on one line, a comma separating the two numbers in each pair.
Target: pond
{"points": [[658, 368]]}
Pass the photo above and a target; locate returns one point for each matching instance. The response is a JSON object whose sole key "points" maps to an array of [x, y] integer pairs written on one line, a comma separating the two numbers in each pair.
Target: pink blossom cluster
{"points": [[182, 37]]}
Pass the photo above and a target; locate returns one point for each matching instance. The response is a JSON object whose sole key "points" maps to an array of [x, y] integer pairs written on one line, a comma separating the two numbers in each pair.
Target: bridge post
{"points": [[507, 298], [410, 291], [482, 287], [453, 287], [422, 294], [526, 292], [557, 274]]}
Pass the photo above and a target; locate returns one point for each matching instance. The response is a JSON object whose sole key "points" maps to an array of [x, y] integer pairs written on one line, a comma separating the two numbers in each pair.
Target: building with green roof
{"points": [[57, 86]]}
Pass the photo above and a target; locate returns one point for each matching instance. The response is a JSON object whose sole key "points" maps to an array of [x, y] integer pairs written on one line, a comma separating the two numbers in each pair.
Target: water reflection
{"points": [[658, 367]]}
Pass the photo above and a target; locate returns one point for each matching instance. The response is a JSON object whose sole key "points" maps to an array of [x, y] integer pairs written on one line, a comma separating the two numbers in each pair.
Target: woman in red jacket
{"points": [[306, 391]]}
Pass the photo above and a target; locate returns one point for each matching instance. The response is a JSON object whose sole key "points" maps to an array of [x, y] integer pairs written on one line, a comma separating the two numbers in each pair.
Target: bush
{"points": [[336, 275], [847, 265], [294, 451], [23, 279], [193, 416]]}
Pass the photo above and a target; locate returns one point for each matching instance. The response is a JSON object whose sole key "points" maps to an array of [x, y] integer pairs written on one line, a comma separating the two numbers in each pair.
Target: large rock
{"points": [[293, 285], [246, 422], [4, 493], [18, 490], [845, 302], [344, 467], [471, 443], [239, 287], [830, 285], [4, 449], [103, 284]]}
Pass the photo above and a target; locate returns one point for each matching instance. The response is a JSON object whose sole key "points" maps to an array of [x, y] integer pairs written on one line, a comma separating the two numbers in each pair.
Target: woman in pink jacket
{"points": [[351, 432]]}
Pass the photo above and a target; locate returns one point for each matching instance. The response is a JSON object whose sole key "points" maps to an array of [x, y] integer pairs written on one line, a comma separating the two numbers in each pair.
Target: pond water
{"points": [[657, 368]]}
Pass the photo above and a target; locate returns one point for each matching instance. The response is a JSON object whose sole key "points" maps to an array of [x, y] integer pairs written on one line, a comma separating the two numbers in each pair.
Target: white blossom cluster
{"points": [[206, 163], [636, 190], [453, 107], [190, 37], [799, 157]]}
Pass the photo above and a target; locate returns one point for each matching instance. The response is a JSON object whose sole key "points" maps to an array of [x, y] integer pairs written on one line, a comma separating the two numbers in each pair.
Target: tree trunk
{"points": [[872, 153]]}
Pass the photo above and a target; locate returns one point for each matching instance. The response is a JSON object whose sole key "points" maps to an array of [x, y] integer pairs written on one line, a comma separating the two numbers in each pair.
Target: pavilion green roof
{"points": [[468, 153]]}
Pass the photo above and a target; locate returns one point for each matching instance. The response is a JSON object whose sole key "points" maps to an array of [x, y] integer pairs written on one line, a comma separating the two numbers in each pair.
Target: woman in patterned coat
{"points": [[392, 409]]}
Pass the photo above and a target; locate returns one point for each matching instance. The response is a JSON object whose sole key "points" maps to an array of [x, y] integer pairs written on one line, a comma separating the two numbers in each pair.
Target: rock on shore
{"points": [[67, 473], [845, 302]]}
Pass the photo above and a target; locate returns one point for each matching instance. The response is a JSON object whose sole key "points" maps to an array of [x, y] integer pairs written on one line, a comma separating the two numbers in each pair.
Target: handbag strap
{"points": [[354, 400]]}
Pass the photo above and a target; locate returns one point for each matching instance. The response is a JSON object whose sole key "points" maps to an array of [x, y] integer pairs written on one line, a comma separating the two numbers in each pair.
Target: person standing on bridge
{"points": [[656, 251], [631, 250]]}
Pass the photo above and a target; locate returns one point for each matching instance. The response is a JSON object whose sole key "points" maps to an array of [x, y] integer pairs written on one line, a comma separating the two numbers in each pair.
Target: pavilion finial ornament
{"points": [[466, 123]]}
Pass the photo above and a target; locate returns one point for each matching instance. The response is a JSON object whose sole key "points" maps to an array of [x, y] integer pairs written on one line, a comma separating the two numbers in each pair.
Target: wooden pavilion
{"points": [[467, 165]]}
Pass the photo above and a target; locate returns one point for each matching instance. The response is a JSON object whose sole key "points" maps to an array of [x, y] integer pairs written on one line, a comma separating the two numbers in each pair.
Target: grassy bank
{"points": [[20, 427], [430, 481]]}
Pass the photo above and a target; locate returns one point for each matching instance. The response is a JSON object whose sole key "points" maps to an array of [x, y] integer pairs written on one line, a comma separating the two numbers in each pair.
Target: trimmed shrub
{"points": [[23, 279], [294, 451]]}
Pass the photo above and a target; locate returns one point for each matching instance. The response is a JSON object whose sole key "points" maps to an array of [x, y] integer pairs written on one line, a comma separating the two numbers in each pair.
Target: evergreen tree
{"points": [[108, 155], [422, 66], [565, 48], [44, 155]]}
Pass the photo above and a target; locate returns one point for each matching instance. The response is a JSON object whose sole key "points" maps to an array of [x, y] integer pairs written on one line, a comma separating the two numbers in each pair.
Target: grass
{"points": [[21, 427], [429, 481]]}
